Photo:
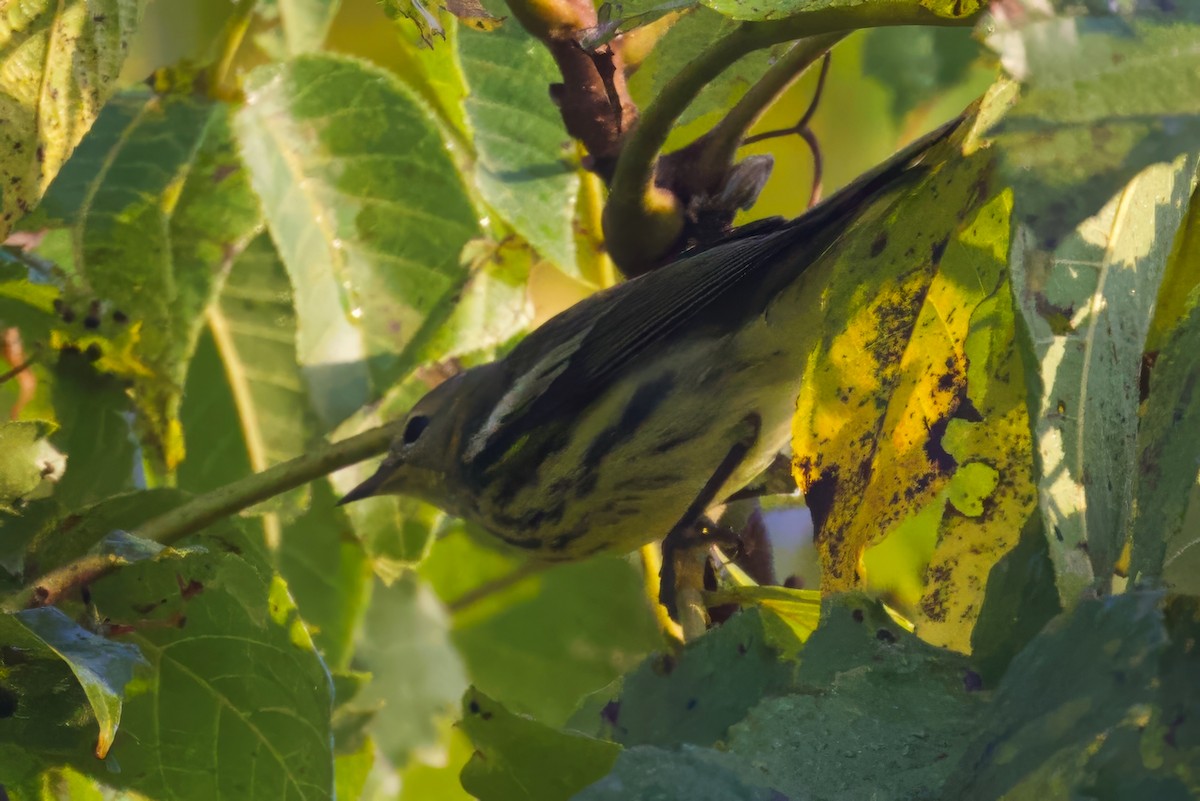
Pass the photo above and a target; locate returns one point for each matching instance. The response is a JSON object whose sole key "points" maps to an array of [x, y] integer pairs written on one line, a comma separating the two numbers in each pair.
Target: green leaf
{"points": [[687, 39], [59, 63], [1078, 682], [327, 573], [1099, 100], [657, 774], [1021, 598], [91, 410], [158, 207], [1165, 536], [65, 534], [430, 63], [45, 717], [695, 697], [871, 706], [28, 463], [1087, 306], [303, 24], [366, 210], [249, 396], [102, 667], [542, 642], [917, 64], [525, 166], [239, 702], [417, 678], [494, 306], [439, 778], [789, 616], [517, 758]]}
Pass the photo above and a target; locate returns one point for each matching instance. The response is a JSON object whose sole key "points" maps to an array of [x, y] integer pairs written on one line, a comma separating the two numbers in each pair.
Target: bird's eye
{"points": [[412, 431]]}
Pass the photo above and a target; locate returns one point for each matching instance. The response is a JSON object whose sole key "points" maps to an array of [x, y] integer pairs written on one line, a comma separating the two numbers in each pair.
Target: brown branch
{"points": [[593, 98]]}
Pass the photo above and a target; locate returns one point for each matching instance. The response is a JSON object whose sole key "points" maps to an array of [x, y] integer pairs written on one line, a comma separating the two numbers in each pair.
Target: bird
{"points": [[626, 416]]}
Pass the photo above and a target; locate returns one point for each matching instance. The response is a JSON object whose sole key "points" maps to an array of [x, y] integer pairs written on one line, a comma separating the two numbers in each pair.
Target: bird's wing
{"points": [[573, 357]]}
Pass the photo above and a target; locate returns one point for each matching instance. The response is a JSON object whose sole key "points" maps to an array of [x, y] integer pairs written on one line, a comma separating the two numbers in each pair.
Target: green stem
{"points": [[638, 219], [204, 510], [232, 36], [722, 142]]}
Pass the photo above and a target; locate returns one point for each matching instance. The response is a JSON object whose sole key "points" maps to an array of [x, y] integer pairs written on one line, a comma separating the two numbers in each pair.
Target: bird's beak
{"points": [[368, 487]]}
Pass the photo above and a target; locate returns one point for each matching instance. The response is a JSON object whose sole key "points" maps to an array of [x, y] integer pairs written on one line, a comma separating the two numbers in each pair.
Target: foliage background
{"points": [[228, 664]]}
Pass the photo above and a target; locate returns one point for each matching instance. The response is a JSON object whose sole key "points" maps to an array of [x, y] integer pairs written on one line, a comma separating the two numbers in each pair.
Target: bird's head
{"points": [[424, 459]]}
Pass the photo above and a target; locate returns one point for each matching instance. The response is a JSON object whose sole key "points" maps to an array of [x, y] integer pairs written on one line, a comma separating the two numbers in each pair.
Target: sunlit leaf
{"points": [[1087, 306], [798, 610], [158, 206], [513, 754], [59, 62], [303, 24], [1099, 100], [889, 375], [367, 212], [28, 463], [253, 327], [525, 167]]}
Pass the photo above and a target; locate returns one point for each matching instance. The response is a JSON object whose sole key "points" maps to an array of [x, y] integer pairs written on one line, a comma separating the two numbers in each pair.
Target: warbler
{"points": [[626, 416]]}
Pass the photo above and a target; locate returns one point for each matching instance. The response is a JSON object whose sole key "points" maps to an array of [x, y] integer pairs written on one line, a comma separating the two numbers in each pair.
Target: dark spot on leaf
{"points": [[473, 707], [610, 712], [742, 649], [145, 609], [11, 655], [486, 716], [8, 703], [41, 594], [972, 681], [966, 410], [182, 621], [1058, 535], [91, 323], [120, 316], [939, 248], [879, 244], [94, 352], [1148, 361], [1172, 727], [884, 635], [937, 455], [190, 589], [41, 154], [691, 703], [820, 496], [858, 615]]}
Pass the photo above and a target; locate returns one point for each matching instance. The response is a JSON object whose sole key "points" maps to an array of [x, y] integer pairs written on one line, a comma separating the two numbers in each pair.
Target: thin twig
{"points": [[643, 221], [497, 585], [722, 143], [204, 510]]}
